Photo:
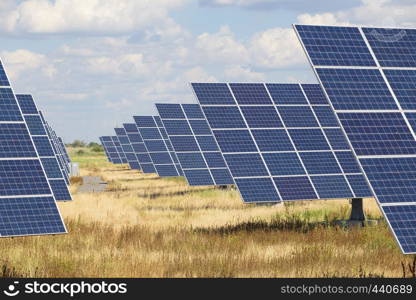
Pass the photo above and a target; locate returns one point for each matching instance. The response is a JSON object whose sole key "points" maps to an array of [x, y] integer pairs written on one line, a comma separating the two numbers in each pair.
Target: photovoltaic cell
{"points": [[163, 159], [373, 102], [144, 161], [49, 161], [272, 137], [126, 145], [197, 151], [27, 206]]}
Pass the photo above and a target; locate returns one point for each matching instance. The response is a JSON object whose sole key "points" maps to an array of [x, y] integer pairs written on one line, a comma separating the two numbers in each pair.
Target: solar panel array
{"points": [[104, 140], [119, 149], [127, 148], [281, 142], [139, 148], [27, 205], [369, 76], [108, 144], [194, 144], [48, 158], [158, 146], [56, 149]]}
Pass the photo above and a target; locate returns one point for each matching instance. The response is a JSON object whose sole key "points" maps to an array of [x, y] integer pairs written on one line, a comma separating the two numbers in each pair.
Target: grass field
{"points": [[144, 226]]}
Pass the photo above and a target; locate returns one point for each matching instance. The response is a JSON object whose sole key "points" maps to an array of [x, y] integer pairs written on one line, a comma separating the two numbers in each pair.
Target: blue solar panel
{"points": [[51, 167], [193, 111], [213, 93], [193, 142], [295, 188], [198, 177], [126, 145], [335, 46], [27, 104], [34, 123], [351, 89], [60, 190], [261, 117], [282, 142], [9, 110], [314, 94], [320, 163], [298, 116], [3, 77], [283, 163], [373, 106], [378, 133], [30, 216], [336, 139], [257, 189], [222, 176], [48, 157], [22, 177], [329, 187], [200, 127], [170, 111], [15, 141], [272, 140], [245, 165], [250, 93], [207, 143], [224, 117], [235, 141], [158, 145], [403, 218], [393, 47], [43, 146], [309, 139], [108, 143], [286, 93]]}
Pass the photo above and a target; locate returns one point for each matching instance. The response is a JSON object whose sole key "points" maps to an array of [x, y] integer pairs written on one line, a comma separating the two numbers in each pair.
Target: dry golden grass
{"points": [[144, 226]]}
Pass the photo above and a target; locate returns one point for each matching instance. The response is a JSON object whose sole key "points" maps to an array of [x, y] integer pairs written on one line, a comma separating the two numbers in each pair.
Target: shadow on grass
{"points": [[155, 195], [290, 223]]}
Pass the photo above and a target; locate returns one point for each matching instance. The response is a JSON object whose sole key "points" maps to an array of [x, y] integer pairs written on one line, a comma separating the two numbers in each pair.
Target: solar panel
{"points": [[370, 81], [51, 146], [139, 148], [279, 142], [27, 205], [127, 148], [199, 167], [108, 144], [104, 142], [119, 149], [50, 162], [158, 146]]}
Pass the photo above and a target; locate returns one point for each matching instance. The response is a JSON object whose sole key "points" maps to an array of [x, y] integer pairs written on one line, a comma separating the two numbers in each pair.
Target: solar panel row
{"points": [[158, 146], [194, 145], [49, 160], [280, 148], [369, 77], [27, 205]]}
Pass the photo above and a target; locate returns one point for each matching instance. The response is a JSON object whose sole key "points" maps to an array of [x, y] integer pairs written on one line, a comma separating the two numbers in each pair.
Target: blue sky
{"points": [[92, 64]]}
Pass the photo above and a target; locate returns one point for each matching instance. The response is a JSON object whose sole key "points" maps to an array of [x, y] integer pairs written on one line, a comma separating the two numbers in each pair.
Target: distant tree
{"points": [[78, 143], [93, 144], [97, 148]]}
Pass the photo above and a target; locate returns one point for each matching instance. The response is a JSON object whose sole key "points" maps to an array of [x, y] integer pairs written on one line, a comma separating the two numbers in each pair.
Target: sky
{"points": [[93, 64]]}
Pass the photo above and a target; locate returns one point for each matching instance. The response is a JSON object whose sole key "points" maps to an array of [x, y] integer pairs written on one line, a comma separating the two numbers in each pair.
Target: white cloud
{"points": [[127, 64], [276, 48], [221, 47], [370, 12], [20, 61], [99, 16], [241, 74]]}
